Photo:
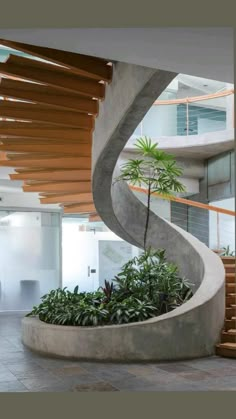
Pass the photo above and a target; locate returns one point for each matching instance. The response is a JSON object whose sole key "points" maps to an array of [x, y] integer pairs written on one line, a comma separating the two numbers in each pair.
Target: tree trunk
{"points": [[148, 214]]}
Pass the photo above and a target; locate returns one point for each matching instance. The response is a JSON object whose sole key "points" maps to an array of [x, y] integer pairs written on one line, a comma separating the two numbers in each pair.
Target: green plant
{"points": [[227, 251], [150, 277], [131, 310], [146, 286], [155, 170]]}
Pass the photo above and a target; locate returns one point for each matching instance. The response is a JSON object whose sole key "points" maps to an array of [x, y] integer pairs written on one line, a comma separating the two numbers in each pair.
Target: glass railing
{"points": [[211, 224], [187, 117]]}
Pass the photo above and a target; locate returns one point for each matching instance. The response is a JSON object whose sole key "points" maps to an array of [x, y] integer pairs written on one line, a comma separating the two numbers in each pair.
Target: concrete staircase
{"points": [[227, 347]]}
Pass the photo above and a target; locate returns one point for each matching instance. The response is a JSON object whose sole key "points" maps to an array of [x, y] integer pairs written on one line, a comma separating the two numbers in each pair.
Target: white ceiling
{"points": [[205, 52]]}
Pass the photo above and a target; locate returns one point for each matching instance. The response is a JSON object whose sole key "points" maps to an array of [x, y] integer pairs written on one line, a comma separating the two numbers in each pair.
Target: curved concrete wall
{"points": [[194, 146], [125, 215], [187, 332]]}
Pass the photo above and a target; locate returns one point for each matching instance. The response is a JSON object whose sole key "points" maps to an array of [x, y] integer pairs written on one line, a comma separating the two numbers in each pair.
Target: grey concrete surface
{"points": [[199, 147], [193, 329]]}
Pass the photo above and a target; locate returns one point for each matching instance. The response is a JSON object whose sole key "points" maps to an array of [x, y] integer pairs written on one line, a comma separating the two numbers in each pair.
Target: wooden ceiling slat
{"points": [[79, 208], [46, 132], [52, 162], [58, 187], [94, 217], [38, 113], [68, 198], [82, 150], [47, 96], [50, 112], [38, 156], [84, 65], [53, 175], [42, 142], [20, 67]]}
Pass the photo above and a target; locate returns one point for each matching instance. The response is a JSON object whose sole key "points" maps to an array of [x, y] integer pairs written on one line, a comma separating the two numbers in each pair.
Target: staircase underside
{"points": [[47, 122]]}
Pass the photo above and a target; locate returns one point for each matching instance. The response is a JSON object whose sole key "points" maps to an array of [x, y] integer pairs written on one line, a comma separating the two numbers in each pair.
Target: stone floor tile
{"points": [[99, 386], [223, 371], [142, 370], [81, 378], [12, 386], [22, 370], [196, 375], [39, 381], [68, 371], [137, 384], [111, 374], [173, 367], [6, 376], [51, 363]]}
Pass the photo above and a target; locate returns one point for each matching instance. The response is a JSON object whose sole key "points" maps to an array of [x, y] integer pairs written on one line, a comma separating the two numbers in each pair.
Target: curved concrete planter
{"points": [[172, 336]]}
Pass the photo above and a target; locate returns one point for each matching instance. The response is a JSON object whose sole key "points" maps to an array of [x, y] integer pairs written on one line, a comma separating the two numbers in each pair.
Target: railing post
{"points": [[218, 230]]}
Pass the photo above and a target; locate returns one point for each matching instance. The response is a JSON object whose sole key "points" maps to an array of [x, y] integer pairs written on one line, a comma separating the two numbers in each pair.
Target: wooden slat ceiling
{"points": [[47, 120]]}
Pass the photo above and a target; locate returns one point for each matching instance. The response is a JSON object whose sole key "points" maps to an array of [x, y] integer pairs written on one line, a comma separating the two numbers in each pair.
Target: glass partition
{"points": [[91, 253], [29, 256]]}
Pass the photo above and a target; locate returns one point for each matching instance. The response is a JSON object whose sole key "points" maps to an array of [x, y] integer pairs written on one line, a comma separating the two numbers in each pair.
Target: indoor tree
{"points": [[154, 170]]}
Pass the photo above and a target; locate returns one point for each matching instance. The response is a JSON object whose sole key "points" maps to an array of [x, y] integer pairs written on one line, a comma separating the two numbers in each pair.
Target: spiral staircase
{"points": [[58, 152]]}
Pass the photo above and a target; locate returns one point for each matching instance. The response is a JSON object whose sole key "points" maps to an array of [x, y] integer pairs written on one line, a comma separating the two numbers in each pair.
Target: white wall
{"points": [[82, 251]]}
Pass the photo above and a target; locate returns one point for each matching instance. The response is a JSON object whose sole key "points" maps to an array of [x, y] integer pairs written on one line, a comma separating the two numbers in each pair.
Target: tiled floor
{"points": [[25, 371]]}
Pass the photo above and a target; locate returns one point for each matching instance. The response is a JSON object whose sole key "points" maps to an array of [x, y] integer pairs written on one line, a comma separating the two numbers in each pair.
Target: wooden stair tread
{"points": [[228, 259], [228, 345], [229, 332]]}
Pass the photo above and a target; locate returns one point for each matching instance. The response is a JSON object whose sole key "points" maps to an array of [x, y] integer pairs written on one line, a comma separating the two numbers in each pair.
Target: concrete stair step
{"points": [[227, 349], [229, 336]]}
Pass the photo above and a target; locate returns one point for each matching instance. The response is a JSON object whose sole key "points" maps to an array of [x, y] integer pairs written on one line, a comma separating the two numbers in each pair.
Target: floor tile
{"points": [[100, 386], [68, 371], [176, 367], [196, 375], [12, 386], [22, 370], [6, 376], [82, 378], [39, 381]]}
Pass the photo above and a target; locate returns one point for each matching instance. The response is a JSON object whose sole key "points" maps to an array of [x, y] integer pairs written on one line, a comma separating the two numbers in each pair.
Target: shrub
{"points": [[147, 286]]}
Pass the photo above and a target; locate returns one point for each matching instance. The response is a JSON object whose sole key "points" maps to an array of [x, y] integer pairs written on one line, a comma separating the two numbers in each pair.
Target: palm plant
{"points": [[155, 170]]}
